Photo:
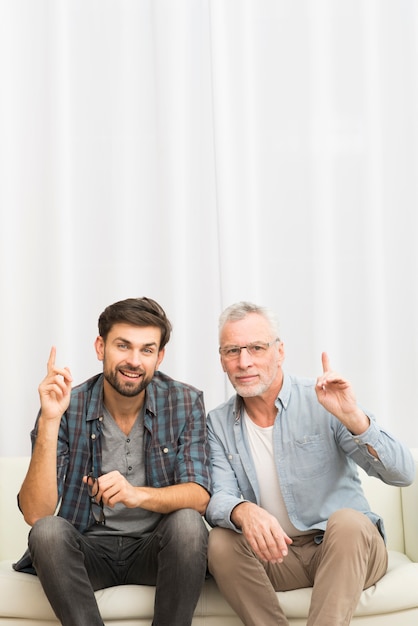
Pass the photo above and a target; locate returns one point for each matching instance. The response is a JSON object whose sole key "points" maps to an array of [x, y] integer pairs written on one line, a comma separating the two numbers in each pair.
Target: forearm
{"points": [[38, 495], [168, 499]]}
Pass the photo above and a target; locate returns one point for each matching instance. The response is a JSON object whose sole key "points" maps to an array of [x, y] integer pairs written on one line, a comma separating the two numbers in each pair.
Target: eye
{"points": [[234, 351], [257, 349], [149, 349], [122, 346]]}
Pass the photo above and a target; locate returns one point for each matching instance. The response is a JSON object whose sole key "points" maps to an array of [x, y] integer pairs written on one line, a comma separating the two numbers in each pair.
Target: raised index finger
{"points": [[325, 363], [51, 360]]}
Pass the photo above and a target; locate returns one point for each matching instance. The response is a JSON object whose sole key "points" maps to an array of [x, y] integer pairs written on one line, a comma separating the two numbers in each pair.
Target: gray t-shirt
{"points": [[125, 453]]}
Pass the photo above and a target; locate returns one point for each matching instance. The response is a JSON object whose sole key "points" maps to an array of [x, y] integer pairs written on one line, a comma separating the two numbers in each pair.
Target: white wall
{"points": [[201, 152]]}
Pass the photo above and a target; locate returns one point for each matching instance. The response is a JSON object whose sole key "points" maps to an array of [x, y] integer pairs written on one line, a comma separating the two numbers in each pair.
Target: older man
{"points": [[287, 502]]}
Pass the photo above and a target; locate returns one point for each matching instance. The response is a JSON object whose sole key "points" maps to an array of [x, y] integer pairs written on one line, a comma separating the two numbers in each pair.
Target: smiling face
{"points": [[252, 375], [130, 356]]}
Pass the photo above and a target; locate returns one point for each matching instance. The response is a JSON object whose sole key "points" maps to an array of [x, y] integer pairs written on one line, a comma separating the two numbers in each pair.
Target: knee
{"points": [[349, 525], [187, 529], [48, 532], [186, 522]]}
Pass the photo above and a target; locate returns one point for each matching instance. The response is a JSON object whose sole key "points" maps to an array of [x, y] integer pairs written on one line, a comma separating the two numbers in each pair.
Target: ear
{"points": [[281, 352], [99, 346], [160, 358]]}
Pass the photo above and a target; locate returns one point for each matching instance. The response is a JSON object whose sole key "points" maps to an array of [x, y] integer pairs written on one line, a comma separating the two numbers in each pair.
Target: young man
{"points": [[123, 458], [287, 501]]}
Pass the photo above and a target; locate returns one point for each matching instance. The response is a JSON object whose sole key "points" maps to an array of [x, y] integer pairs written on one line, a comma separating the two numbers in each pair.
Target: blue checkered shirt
{"points": [[175, 443]]}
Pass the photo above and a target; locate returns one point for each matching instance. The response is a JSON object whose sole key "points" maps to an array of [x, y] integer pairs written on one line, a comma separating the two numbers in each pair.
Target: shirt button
{"points": [[130, 468], [128, 440], [93, 436], [165, 450]]}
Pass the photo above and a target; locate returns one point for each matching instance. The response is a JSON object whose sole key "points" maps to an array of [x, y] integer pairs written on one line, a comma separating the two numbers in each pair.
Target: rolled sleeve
{"points": [[394, 465], [193, 455]]}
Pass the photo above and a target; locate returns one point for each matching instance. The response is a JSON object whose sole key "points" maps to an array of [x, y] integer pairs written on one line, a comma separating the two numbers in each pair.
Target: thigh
{"points": [[352, 542], [230, 555], [293, 573], [54, 542], [180, 538]]}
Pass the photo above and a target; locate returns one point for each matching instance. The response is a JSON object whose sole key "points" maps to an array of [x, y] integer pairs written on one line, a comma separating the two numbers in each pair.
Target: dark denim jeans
{"points": [[72, 566]]}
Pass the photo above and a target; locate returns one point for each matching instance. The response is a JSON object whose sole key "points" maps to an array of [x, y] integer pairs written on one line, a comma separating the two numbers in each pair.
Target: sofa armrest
{"points": [[409, 497], [13, 529]]}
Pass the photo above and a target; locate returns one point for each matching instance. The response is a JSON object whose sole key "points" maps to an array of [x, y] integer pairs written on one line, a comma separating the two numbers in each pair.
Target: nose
{"points": [[134, 358], [245, 359]]}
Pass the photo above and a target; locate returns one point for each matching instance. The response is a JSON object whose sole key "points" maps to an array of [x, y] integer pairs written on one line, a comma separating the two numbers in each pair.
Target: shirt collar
{"points": [[150, 400], [284, 395], [95, 410]]}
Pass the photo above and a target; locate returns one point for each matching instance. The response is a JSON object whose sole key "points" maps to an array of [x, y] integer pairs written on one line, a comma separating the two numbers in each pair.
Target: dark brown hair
{"points": [[137, 312]]}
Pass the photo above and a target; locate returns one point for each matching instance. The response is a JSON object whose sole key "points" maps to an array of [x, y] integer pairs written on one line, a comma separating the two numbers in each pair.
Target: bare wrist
{"points": [[358, 423]]}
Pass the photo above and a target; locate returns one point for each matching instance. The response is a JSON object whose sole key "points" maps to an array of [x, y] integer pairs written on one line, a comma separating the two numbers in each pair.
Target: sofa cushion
{"points": [[127, 602]]}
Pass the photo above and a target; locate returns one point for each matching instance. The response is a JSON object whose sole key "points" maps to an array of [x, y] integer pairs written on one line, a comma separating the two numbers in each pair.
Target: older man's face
{"points": [[251, 374]]}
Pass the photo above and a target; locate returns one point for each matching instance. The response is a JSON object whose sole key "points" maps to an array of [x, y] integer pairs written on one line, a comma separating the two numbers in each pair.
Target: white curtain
{"points": [[202, 152]]}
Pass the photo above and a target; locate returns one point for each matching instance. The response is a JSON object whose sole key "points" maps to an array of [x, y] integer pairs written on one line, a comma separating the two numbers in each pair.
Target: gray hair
{"points": [[239, 310]]}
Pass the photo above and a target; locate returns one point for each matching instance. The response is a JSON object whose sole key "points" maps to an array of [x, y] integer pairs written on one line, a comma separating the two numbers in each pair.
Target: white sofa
{"points": [[393, 601]]}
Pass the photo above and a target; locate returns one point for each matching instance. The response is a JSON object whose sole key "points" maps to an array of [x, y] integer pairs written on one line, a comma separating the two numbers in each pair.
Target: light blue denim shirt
{"points": [[316, 460]]}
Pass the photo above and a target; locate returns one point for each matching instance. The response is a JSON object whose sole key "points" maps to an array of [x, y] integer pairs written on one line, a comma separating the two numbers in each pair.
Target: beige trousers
{"points": [[351, 557]]}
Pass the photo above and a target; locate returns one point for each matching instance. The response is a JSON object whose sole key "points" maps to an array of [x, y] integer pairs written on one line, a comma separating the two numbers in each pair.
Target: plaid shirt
{"points": [[175, 444]]}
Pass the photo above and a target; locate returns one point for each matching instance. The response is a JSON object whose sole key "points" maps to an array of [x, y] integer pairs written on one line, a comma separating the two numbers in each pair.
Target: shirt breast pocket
{"points": [[312, 457]]}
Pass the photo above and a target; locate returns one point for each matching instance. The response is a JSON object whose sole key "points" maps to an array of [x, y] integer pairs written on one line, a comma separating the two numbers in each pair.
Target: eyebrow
{"points": [[144, 345], [249, 343]]}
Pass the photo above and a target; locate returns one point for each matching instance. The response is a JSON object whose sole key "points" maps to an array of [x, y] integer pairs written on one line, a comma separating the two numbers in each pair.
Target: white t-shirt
{"points": [[262, 452]]}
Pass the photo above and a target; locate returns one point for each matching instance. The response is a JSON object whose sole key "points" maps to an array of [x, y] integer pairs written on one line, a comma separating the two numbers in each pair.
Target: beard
{"points": [[257, 388], [129, 389], [250, 392]]}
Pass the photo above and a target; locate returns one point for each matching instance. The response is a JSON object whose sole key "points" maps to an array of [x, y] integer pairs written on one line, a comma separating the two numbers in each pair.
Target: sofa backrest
{"points": [[383, 499], [410, 514], [386, 501]]}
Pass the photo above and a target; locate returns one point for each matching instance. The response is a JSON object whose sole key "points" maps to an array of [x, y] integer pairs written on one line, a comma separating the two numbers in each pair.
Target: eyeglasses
{"points": [[96, 507], [230, 353]]}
